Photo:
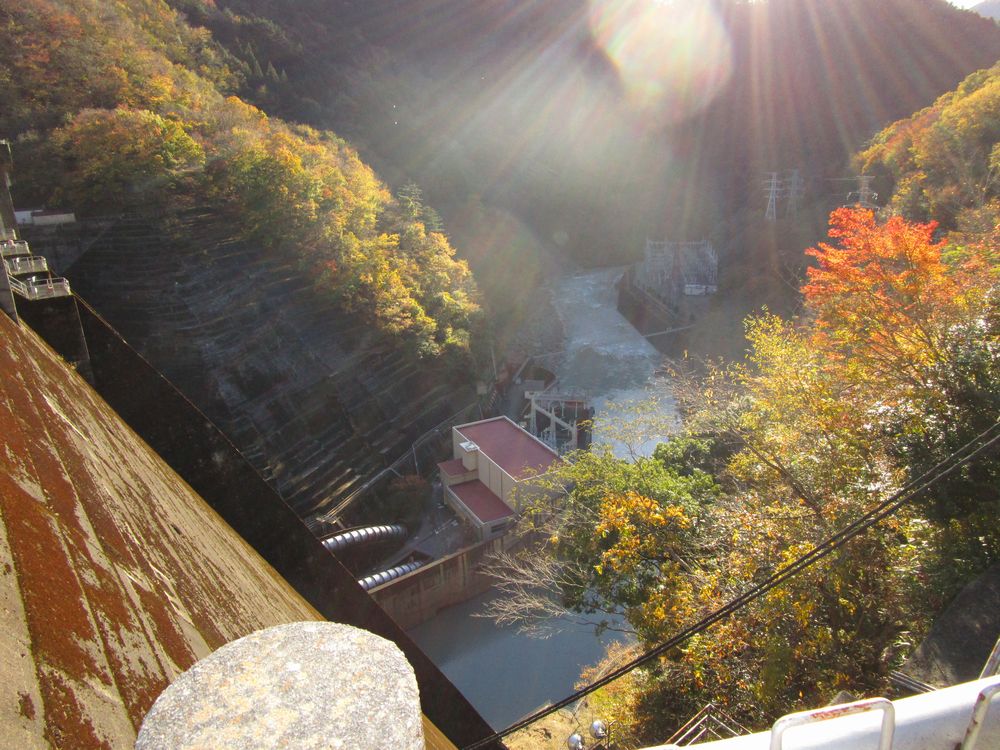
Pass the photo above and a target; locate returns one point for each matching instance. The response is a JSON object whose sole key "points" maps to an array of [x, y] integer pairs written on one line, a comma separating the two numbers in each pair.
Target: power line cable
{"points": [[912, 489]]}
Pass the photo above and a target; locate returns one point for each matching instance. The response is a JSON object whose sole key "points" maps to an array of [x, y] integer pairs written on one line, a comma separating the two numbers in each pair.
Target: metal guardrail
{"points": [[10, 248], [992, 666], [903, 681], [983, 702], [26, 264], [43, 289]]}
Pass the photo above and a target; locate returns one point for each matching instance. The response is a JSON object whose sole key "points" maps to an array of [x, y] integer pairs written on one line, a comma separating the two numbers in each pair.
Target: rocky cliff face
{"points": [[315, 403]]}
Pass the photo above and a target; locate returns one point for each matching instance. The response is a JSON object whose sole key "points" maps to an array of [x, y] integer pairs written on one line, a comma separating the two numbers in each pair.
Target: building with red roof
{"points": [[491, 458]]}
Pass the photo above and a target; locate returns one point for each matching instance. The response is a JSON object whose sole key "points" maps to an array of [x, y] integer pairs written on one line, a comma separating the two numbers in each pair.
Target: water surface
{"points": [[608, 359], [506, 674]]}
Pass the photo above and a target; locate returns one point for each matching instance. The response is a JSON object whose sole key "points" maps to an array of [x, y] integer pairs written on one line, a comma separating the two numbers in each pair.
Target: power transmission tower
{"points": [[773, 186], [795, 187], [864, 196]]}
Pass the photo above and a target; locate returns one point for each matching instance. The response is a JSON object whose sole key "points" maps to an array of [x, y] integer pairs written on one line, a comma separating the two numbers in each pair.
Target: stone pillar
{"points": [[307, 685]]}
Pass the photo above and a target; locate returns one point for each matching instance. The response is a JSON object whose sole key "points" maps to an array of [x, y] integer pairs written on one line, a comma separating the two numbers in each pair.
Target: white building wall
{"points": [[508, 485], [490, 475], [502, 484]]}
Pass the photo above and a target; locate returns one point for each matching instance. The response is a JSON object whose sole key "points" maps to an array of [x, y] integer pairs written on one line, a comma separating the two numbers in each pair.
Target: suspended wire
{"points": [[911, 490]]}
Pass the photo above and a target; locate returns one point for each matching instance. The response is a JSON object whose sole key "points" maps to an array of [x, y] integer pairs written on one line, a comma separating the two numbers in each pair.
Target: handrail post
{"points": [[978, 714]]}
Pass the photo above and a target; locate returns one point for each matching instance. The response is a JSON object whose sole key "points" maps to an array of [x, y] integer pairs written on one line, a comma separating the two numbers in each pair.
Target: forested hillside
{"points": [[516, 118], [128, 108], [584, 127], [943, 163]]}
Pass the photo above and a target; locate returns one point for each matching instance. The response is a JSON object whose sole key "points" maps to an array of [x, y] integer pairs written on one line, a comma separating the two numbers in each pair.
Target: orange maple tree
{"points": [[884, 292], [895, 262]]}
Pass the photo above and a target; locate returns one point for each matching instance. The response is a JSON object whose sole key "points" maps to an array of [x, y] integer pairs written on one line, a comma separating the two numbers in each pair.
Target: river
{"points": [[506, 674], [611, 362]]}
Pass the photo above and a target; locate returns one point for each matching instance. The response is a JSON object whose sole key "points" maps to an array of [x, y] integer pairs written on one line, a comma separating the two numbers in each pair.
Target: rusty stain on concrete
{"points": [[114, 575]]}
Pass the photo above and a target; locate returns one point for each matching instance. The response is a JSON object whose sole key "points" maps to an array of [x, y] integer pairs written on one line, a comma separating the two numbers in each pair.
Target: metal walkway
{"points": [[29, 275]]}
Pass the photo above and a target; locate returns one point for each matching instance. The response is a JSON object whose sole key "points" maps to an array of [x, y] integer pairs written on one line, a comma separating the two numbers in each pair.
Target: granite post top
{"points": [[306, 685]]}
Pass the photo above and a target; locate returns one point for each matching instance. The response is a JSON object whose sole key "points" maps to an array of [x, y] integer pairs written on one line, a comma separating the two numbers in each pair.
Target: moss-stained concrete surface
{"points": [[114, 575]]}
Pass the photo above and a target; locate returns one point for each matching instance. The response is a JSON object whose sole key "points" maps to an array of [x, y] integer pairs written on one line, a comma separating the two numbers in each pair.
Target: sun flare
{"points": [[672, 58]]}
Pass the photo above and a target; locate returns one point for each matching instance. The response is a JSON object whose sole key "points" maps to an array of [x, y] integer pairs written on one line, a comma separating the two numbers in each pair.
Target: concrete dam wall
{"points": [[316, 404]]}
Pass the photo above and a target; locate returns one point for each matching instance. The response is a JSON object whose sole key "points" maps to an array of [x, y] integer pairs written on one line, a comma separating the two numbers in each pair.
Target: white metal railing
{"points": [[10, 248], [553, 394], [827, 713], [35, 289], [26, 264], [965, 716]]}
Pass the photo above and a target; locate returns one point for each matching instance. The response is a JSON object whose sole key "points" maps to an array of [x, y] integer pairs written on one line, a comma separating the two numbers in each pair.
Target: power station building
{"points": [[492, 458]]}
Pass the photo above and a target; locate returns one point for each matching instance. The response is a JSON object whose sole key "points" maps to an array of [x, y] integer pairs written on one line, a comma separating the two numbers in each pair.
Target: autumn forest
{"points": [[428, 175]]}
